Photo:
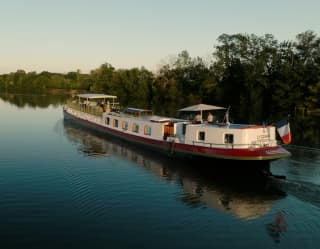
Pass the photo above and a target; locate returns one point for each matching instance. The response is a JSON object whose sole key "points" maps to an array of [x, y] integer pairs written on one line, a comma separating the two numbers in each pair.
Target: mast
{"points": [[227, 116]]}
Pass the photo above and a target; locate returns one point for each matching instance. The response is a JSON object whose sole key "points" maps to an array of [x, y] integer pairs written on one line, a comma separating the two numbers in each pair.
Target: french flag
{"points": [[283, 128]]}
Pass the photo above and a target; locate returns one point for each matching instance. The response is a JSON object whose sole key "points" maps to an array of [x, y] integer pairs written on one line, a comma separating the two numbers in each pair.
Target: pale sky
{"points": [[66, 35]]}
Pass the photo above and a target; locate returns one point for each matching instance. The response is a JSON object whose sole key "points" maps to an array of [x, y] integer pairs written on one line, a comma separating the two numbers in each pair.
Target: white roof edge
{"points": [[96, 96], [156, 118]]}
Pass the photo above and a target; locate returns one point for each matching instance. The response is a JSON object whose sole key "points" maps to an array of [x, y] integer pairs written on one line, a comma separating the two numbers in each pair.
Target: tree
{"points": [[133, 86], [308, 67], [101, 78]]}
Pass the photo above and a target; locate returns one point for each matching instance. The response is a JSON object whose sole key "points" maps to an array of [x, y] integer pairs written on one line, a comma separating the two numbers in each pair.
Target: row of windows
{"points": [[125, 126], [228, 138]]}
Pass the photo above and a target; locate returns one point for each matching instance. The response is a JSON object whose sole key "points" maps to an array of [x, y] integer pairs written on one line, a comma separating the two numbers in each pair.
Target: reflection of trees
{"points": [[239, 196], [42, 101], [305, 155], [276, 228], [306, 131]]}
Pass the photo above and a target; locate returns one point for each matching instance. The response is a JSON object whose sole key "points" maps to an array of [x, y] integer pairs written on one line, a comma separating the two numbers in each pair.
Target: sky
{"points": [[67, 35]]}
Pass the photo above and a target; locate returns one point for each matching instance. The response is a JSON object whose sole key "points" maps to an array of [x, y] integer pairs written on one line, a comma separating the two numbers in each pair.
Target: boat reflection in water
{"points": [[242, 196]]}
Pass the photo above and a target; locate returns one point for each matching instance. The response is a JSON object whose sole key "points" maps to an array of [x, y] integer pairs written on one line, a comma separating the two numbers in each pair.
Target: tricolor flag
{"points": [[283, 128]]}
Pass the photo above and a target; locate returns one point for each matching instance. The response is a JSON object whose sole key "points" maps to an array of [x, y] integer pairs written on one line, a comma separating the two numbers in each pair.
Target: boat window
{"points": [[147, 130], [107, 121], [125, 125], [135, 128], [115, 123], [228, 138], [201, 135]]}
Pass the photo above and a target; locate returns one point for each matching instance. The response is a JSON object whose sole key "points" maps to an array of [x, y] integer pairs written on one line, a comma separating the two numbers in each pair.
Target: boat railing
{"points": [[230, 145], [90, 109]]}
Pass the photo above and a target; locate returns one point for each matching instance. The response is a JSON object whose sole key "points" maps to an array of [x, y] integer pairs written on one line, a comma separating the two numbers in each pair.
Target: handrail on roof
{"points": [[137, 111]]}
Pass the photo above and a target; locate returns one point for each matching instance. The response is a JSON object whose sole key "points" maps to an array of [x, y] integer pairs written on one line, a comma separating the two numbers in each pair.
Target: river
{"points": [[63, 186]]}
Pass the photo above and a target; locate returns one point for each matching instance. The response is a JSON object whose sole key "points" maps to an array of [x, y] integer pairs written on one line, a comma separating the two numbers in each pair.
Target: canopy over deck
{"points": [[201, 107]]}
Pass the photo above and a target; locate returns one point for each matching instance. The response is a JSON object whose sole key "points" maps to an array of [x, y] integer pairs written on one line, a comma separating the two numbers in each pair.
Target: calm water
{"points": [[63, 186]]}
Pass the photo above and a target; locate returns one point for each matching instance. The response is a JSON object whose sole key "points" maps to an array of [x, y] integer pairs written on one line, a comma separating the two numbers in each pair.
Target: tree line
{"points": [[258, 76]]}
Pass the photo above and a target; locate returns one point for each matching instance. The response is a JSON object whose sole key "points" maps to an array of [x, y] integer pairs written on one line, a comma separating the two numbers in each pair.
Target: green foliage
{"points": [[133, 87], [257, 76]]}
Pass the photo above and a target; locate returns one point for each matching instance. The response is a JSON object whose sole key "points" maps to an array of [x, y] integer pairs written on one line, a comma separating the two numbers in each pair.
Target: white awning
{"points": [[201, 107]]}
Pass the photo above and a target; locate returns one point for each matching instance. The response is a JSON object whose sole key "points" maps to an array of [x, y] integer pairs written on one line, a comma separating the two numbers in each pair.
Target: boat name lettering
{"points": [[262, 137]]}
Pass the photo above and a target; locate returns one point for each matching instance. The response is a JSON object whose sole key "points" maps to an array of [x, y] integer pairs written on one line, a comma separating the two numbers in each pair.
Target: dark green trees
{"points": [[257, 76]]}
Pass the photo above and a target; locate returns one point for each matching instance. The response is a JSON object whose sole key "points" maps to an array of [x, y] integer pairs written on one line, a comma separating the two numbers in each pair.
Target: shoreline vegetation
{"points": [[258, 76]]}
